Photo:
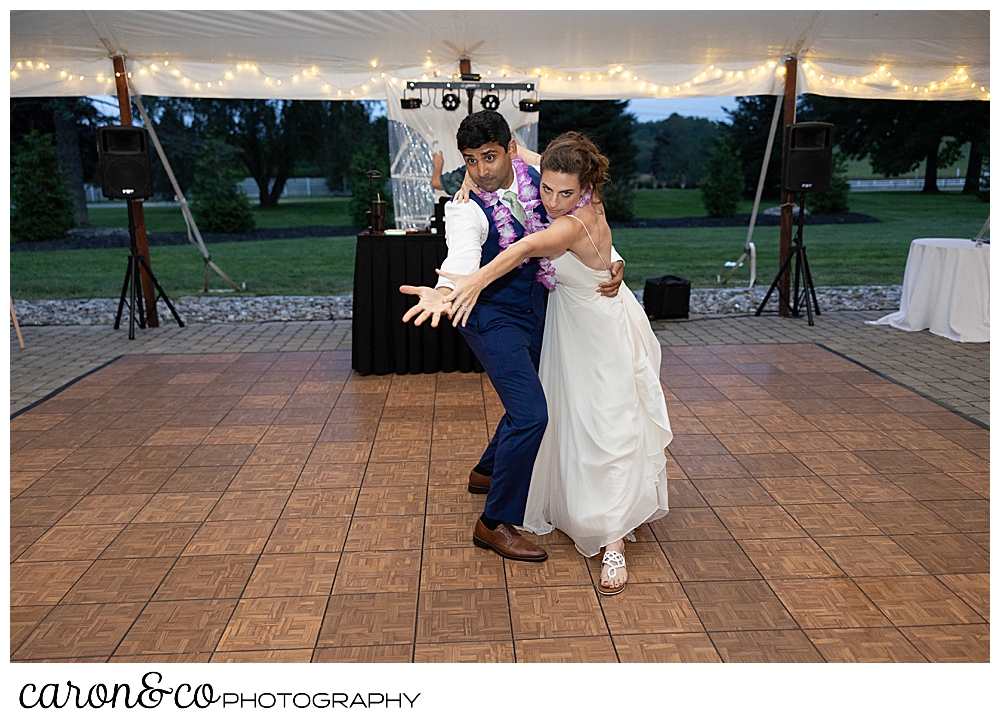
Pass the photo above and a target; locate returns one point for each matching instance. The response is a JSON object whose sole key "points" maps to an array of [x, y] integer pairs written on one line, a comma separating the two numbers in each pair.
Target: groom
{"points": [[504, 328]]}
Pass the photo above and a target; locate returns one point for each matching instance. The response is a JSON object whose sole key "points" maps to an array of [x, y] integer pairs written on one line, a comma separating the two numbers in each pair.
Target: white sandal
{"points": [[616, 561]]}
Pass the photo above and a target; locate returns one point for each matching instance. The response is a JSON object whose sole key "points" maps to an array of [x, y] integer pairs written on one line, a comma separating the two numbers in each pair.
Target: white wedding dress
{"points": [[601, 467]]}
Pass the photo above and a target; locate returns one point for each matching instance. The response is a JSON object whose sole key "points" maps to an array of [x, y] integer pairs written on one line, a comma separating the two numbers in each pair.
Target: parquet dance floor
{"points": [[278, 507]]}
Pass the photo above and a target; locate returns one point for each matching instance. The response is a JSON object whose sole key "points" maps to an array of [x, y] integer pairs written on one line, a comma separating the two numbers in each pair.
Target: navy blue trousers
{"points": [[508, 344]]}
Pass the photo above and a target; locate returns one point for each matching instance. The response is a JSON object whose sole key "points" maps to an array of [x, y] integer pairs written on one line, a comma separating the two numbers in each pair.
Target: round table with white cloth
{"points": [[946, 289]]}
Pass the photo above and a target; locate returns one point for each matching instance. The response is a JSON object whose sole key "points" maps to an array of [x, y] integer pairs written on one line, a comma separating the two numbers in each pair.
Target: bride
{"points": [[601, 468]]}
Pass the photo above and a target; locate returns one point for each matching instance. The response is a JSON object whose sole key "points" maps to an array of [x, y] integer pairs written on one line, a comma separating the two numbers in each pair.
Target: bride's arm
{"points": [[528, 156], [555, 239]]}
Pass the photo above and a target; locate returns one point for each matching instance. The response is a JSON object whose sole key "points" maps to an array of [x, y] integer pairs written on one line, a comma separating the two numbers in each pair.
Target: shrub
{"points": [[217, 204], [835, 198], [42, 207], [720, 191]]}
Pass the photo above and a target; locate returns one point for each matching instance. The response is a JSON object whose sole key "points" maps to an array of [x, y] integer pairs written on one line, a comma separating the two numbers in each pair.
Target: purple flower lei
{"points": [[503, 219]]}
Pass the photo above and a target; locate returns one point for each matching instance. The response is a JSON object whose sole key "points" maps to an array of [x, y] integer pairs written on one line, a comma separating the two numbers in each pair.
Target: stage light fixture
{"points": [[529, 105], [409, 103], [490, 101], [450, 101]]}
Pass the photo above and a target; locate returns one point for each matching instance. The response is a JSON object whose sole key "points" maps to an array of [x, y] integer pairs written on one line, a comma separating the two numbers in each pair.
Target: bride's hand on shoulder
{"points": [[463, 297], [467, 187]]}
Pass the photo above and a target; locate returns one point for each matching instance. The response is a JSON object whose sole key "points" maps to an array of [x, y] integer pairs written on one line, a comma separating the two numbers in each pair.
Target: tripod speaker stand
{"points": [[798, 253], [133, 286]]}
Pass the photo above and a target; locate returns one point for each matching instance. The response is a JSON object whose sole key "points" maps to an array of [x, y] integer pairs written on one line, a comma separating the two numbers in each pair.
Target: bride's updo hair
{"points": [[575, 154]]}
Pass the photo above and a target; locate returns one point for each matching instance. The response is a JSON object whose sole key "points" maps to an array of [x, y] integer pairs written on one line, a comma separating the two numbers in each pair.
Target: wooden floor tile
{"points": [[378, 501], [945, 554], [904, 518], [732, 492], [105, 509], [236, 434], [836, 520], [963, 515], [828, 603], [43, 583], [689, 523], [952, 643], [249, 505], [449, 530], [556, 612], [266, 477], [484, 652], [799, 490], [319, 476], [792, 557], [393, 571], [829, 464], [207, 577], [738, 605], [396, 474], [974, 589], [563, 567], [188, 626], [293, 575], [888, 462], [165, 539], [765, 646], [712, 467], [864, 645], [144, 480], [68, 482], [366, 654], [462, 568], [709, 560], [866, 488], [650, 608], [870, 556], [758, 521], [292, 434], [200, 479], [22, 621], [72, 542], [79, 630], [218, 455], [389, 532], [274, 623], [591, 649], [300, 655], [178, 507], [119, 581], [646, 563], [244, 537], [452, 616], [369, 619], [452, 499], [666, 648], [21, 538], [919, 600], [333, 502], [321, 534], [937, 486]]}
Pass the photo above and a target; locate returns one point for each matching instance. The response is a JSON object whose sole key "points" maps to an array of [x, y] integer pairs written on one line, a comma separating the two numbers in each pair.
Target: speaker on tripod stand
{"points": [[123, 158], [805, 168]]}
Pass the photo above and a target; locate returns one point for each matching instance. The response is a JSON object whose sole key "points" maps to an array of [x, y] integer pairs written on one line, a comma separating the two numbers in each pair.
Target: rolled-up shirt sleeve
{"points": [[466, 229], [615, 256]]}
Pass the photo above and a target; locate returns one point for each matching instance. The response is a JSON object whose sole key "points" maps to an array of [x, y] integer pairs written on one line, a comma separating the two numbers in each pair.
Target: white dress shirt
{"points": [[466, 229]]}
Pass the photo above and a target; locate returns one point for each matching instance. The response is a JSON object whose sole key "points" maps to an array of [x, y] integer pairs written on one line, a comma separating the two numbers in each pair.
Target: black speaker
{"points": [[808, 157], [123, 155]]}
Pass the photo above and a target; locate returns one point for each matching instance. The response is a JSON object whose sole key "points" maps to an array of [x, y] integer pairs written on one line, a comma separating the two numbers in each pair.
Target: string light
{"points": [[709, 75]]}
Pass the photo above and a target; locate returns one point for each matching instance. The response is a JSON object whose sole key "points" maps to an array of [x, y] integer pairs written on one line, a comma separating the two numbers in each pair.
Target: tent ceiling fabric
{"points": [[342, 54]]}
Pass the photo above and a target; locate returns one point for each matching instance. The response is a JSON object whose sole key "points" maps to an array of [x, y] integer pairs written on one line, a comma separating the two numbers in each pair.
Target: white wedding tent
{"points": [[372, 54]]}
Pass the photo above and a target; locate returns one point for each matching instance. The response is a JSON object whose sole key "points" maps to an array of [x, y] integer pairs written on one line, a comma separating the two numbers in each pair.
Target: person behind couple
{"points": [[600, 471], [505, 332]]}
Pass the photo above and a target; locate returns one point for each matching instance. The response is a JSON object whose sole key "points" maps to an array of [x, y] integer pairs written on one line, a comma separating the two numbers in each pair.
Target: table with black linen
{"points": [[381, 343]]}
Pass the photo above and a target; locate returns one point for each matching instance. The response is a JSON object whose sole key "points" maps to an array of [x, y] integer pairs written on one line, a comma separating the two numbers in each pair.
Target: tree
{"points": [[180, 125], [373, 156], [898, 135], [721, 189], [835, 198], [607, 124], [217, 204], [682, 149], [746, 132], [347, 129], [71, 122], [42, 204]]}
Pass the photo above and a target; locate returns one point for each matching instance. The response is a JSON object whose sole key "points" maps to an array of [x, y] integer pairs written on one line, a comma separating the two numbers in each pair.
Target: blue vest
{"points": [[517, 289]]}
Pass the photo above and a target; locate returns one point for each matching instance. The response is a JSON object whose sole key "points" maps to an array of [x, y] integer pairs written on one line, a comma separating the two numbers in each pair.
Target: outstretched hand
{"points": [[463, 297], [610, 288], [432, 305]]}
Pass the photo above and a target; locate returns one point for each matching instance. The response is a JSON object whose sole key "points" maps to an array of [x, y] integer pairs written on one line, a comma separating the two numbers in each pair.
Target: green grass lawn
{"points": [[838, 255], [323, 211]]}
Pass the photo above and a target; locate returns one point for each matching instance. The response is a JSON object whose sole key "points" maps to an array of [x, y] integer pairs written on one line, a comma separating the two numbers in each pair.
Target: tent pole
{"points": [[787, 199], [141, 241], [185, 210]]}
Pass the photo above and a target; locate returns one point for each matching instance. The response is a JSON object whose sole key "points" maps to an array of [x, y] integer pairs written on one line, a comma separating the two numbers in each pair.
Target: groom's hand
{"points": [[431, 304], [610, 288]]}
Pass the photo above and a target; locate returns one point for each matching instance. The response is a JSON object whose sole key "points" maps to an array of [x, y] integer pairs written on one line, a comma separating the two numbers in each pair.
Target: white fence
{"points": [[293, 187], [904, 184]]}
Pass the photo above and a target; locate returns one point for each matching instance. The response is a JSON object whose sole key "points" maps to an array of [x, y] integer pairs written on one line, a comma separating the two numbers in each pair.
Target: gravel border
{"points": [[226, 309]]}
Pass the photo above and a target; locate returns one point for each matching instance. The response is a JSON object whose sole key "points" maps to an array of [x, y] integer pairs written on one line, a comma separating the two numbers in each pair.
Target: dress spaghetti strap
{"points": [[606, 267]]}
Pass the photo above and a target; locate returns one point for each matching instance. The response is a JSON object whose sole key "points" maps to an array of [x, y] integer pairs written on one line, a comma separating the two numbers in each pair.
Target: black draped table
{"points": [[381, 343]]}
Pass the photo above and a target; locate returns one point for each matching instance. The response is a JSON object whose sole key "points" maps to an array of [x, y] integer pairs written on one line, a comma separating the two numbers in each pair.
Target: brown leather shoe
{"points": [[479, 484], [507, 542]]}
